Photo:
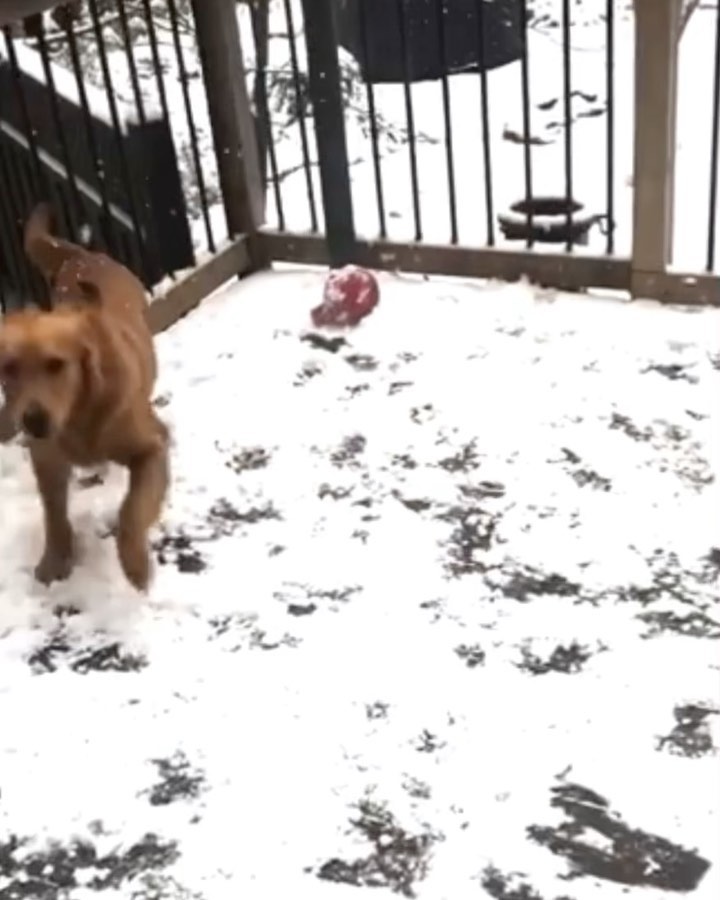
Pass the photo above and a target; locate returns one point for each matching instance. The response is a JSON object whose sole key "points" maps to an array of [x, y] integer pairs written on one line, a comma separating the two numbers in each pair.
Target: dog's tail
{"points": [[43, 249]]}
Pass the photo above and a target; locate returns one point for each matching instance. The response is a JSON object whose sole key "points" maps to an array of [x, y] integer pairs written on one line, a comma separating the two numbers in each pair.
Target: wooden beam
{"points": [[233, 126], [657, 28], [560, 270], [230, 261], [677, 287]]}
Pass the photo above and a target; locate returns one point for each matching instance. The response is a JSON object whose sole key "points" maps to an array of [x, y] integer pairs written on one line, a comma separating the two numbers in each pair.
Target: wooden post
{"points": [[657, 30], [233, 125]]}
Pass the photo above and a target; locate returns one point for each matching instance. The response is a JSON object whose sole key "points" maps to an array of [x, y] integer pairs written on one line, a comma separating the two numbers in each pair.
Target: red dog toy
{"points": [[350, 294]]}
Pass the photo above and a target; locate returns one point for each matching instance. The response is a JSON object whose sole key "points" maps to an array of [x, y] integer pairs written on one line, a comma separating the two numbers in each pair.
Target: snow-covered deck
{"points": [[436, 612]]}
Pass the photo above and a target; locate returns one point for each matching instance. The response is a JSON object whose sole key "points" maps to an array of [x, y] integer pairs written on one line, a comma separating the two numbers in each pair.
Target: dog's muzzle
{"points": [[36, 422]]}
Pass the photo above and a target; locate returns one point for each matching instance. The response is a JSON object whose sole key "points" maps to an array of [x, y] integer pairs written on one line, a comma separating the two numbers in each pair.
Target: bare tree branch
{"points": [[689, 7]]}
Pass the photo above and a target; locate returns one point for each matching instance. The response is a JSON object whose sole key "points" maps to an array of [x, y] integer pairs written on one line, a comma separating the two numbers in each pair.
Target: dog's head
{"points": [[48, 365]]}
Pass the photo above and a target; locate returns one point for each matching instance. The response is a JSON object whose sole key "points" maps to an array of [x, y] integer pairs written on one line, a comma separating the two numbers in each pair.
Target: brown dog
{"points": [[78, 381]]}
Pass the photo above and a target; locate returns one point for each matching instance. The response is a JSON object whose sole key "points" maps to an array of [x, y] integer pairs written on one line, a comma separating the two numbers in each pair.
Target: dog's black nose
{"points": [[36, 422]]}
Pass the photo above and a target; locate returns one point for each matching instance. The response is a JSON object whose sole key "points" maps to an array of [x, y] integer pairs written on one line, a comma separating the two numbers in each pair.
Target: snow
{"points": [[377, 556], [438, 577]]}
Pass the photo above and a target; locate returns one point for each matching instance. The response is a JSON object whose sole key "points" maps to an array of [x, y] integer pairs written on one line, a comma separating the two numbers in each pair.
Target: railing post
{"points": [[326, 94], [233, 126], [657, 28]]}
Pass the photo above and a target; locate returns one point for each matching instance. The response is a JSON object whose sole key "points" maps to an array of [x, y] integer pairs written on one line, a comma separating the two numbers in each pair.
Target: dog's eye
{"points": [[10, 369], [54, 364]]}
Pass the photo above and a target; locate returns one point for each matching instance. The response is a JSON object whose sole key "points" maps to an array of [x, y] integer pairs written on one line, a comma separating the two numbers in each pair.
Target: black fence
{"points": [[712, 211], [103, 114], [521, 110], [449, 136], [408, 55]]}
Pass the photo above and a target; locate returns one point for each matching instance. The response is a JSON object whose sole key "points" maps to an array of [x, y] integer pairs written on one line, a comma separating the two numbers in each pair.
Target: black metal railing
{"points": [[405, 56], [105, 117], [362, 25], [301, 99], [610, 130], [405, 42], [715, 142], [396, 114], [485, 120]]}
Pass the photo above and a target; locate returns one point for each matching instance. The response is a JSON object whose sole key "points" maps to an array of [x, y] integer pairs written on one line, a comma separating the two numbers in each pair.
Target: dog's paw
{"points": [[53, 567]]}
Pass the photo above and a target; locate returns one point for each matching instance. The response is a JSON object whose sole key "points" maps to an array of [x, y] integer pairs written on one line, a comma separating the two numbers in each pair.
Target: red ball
{"points": [[350, 294]]}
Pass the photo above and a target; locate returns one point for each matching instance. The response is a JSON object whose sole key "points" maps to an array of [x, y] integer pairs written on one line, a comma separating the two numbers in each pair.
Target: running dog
{"points": [[78, 381]]}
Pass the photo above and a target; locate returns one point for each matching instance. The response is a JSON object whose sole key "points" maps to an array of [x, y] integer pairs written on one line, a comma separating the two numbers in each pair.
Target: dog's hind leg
{"points": [[52, 474]]}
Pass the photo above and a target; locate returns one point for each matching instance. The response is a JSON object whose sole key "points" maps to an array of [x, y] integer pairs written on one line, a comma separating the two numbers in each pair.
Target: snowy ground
{"points": [[435, 612]]}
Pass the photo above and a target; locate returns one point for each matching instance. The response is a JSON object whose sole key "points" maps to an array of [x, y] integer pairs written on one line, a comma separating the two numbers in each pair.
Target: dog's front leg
{"points": [[149, 476], [52, 474]]}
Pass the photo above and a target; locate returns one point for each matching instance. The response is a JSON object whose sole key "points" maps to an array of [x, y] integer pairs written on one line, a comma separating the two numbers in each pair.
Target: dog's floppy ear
{"points": [[90, 360], [89, 290], [6, 349]]}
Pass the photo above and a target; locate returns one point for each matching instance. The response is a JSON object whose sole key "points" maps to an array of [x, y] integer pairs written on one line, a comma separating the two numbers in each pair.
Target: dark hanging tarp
{"points": [[384, 63], [14, 10]]}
